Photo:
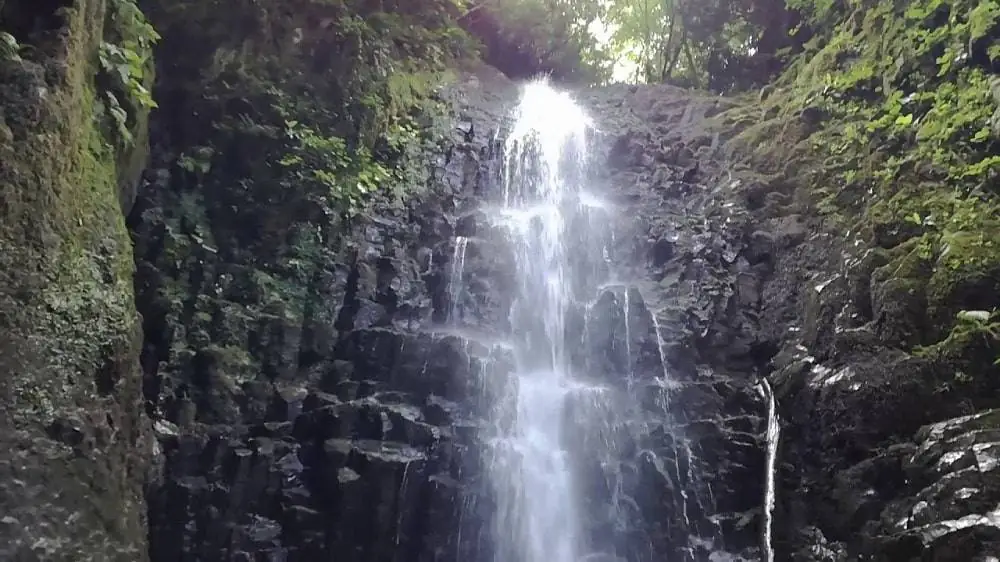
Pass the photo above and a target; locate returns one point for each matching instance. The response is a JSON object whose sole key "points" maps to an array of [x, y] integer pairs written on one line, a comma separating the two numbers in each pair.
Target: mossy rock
{"points": [[888, 227], [966, 275], [860, 281], [898, 294], [971, 353]]}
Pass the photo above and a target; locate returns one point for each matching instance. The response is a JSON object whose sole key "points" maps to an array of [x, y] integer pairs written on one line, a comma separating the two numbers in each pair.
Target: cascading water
{"points": [[773, 436], [572, 431], [537, 515]]}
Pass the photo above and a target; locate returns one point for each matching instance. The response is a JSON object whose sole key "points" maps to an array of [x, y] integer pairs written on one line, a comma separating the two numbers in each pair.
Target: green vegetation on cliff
{"points": [[310, 102], [890, 118], [280, 126], [70, 425]]}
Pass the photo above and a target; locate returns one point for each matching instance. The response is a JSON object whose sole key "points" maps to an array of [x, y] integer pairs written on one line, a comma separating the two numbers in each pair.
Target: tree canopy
{"points": [[717, 44]]}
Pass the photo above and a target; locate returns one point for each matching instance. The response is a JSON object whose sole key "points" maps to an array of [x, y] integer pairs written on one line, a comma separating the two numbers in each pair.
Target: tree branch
{"points": [[690, 60], [676, 54], [668, 62], [476, 8]]}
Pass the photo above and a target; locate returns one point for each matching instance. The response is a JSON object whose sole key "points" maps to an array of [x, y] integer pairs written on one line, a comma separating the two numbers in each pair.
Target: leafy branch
{"points": [[126, 61]]}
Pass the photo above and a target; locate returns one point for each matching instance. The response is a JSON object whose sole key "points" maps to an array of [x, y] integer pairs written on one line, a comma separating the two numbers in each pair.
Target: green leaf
{"points": [[983, 18]]}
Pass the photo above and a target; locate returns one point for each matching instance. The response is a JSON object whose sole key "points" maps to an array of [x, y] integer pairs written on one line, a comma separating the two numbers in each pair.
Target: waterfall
{"points": [[537, 516], [773, 435]]}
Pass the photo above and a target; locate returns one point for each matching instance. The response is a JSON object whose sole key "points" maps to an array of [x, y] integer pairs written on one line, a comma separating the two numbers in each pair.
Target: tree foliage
{"points": [[524, 38], [722, 45], [718, 44]]}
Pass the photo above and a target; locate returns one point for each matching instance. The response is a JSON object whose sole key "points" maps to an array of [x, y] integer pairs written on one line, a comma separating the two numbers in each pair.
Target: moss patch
{"points": [[967, 276]]}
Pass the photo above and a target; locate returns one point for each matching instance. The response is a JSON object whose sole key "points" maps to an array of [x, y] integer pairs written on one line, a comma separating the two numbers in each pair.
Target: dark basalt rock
{"points": [[855, 481], [303, 418], [336, 415], [947, 507], [299, 419]]}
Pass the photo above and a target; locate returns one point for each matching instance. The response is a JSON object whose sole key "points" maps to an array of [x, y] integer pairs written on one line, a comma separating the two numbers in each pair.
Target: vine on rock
{"points": [[125, 59]]}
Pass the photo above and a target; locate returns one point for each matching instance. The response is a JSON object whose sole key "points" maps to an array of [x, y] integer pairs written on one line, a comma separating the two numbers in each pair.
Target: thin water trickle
{"points": [[682, 482], [455, 279], [628, 337], [401, 498], [537, 515], [659, 345], [773, 436]]}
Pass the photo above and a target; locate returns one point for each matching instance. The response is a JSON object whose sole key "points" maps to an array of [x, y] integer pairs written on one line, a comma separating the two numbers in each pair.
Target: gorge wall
{"points": [[76, 442], [294, 392]]}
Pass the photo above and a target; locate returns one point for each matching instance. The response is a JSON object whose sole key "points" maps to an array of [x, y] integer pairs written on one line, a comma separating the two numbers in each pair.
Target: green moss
{"points": [[281, 297], [955, 241], [68, 325], [63, 230], [912, 260], [884, 121], [231, 367], [967, 274], [9, 46], [899, 298], [899, 92], [972, 348]]}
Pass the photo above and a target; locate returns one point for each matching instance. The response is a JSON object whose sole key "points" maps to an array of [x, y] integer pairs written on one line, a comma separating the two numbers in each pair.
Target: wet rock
{"points": [[818, 548], [306, 404], [948, 509]]}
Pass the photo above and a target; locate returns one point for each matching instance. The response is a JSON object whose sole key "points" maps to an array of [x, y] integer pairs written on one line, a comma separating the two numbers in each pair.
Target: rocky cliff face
{"points": [[884, 456], [303, 416], [359, 435], [695, 274], [885, 446]]}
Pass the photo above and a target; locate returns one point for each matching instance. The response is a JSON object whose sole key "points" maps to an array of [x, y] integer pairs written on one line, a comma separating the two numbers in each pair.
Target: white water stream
{"points": [[537, 517], [773, 436], [550, 421]]}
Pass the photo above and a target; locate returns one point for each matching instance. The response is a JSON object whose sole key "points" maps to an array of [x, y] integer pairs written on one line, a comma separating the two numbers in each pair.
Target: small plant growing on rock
{"points": [[981, 323], [10, 49], [125, 61], [325, 164], [128, 69], [971, 327]]}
